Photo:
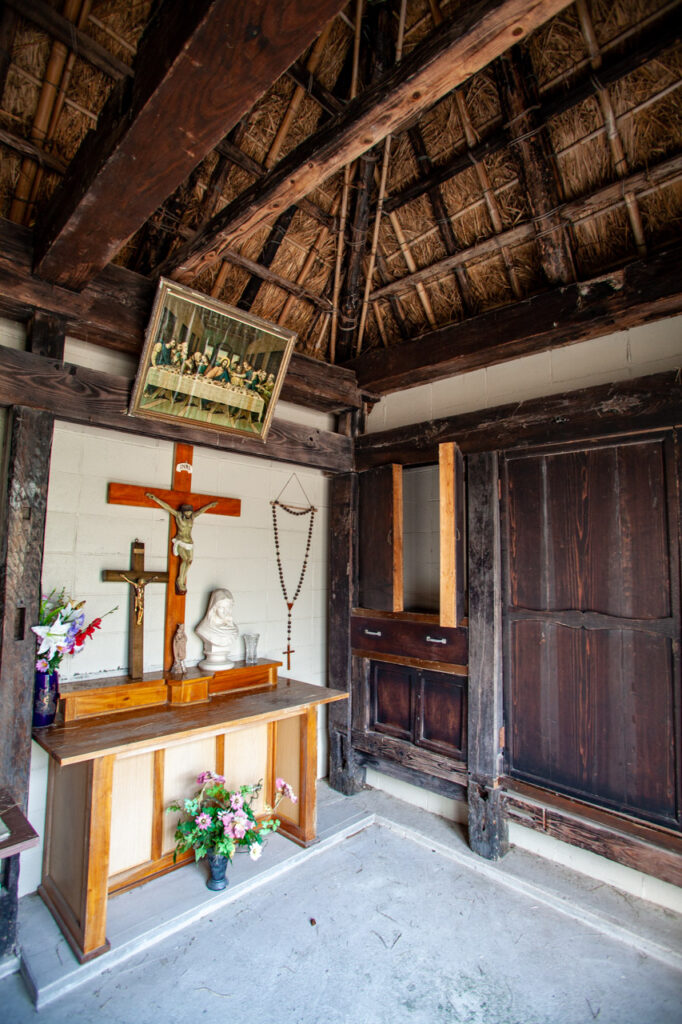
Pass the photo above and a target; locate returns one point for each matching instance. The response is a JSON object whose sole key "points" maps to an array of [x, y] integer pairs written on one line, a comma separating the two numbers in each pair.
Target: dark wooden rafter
{"points": [[642, 291], [432, 69], [251, 166], [266, 257], [80, 395], [595, 203], [659, 34], [538, 173], [377, 56], [114, 310], [645, 403], [180, 66]]}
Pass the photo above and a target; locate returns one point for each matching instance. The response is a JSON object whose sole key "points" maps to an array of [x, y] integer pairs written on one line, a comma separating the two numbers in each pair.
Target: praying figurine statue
{"points": [[183, 546], [218, 632], [179, 651]]}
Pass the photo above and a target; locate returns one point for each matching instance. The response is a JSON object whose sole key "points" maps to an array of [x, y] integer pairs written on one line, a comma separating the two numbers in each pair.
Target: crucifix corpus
{"points": [[183, 507], [138, 578]]}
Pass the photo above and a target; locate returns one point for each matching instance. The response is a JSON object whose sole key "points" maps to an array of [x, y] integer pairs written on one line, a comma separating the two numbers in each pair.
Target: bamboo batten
{"points": [[382, 190], [343, 214], [618, 153], [20, 208]]}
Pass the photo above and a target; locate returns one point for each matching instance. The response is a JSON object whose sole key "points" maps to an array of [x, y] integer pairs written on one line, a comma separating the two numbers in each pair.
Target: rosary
{"points": [[293, 510]]}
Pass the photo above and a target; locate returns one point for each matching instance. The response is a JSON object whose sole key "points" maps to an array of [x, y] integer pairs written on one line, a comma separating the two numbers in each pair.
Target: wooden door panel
{"points": [[591, 618]]}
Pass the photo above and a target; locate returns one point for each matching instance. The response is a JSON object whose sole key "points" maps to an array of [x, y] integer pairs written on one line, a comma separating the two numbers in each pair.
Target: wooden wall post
{"points": [[488, 828], [345, 774], [24, 483]]}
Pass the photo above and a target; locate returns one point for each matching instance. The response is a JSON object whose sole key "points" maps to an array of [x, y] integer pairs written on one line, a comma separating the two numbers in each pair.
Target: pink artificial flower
{"points": [[286, 790], [42, 665], [203, 821], [240, 826], [236, 801], [209, 777]]}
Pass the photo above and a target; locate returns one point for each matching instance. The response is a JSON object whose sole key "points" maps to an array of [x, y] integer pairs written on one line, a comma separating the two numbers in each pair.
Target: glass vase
{"points": [[45, 698], [250, 648]]}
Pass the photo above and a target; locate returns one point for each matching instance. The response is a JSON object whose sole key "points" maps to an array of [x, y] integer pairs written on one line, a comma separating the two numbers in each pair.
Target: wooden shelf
{"points": [[22, 835], [88, 698]]}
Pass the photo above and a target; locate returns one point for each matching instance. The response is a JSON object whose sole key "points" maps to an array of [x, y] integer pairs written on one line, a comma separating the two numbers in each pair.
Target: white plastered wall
{"points": [[652, 348], [85, 535]]}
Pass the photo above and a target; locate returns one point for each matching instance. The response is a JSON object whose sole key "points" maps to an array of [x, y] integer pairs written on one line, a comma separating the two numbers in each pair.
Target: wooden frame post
{"points": [[488, 828], [28, 448], [345, 773]]}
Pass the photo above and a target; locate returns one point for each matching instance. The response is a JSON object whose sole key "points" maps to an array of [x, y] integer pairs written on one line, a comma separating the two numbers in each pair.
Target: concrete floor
{"points": [[389, 918]]}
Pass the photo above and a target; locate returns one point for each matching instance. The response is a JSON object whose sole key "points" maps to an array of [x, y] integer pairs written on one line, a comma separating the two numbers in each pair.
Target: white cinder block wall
{"points": [[85, 535]]}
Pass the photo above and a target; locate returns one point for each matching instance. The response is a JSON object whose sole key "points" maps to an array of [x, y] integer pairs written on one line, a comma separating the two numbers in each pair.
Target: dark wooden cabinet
{"points": [[592, 625], [425, 708]]}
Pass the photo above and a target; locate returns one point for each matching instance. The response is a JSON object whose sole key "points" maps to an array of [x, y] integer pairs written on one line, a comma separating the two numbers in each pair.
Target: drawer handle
{"points": [[372, 632], [436, 640]]}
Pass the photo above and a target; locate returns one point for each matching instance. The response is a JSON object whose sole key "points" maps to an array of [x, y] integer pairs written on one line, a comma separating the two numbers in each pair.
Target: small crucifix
{"points": [[183, 506], [138, 578]]}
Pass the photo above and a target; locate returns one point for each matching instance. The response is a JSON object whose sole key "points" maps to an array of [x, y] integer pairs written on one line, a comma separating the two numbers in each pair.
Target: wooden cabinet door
{"points": [[440, 723], [422, 707], [592, 624]]}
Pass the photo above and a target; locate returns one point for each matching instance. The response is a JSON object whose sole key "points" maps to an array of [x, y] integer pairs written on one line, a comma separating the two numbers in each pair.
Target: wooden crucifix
{"points": [[173, 501], [138, 578]]}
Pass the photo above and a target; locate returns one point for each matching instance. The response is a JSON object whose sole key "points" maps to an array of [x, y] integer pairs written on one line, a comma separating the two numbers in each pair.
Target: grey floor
{"points": [[389, 919]]}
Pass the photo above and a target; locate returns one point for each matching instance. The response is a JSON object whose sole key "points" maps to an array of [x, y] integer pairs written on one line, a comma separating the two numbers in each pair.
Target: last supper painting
{"points": [[210, 363]]}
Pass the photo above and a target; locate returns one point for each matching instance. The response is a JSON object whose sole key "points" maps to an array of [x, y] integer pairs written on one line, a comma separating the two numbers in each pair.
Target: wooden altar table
{"points": [[111, 777]]}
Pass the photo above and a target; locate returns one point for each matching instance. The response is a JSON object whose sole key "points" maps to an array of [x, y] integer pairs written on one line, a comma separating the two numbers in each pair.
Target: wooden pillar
{"points": [[488, 829], [29, 443], [345, 773], [24, 481]]}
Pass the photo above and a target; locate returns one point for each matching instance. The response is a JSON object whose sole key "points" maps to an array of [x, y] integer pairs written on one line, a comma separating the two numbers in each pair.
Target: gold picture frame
{"points": [[209, 364]]}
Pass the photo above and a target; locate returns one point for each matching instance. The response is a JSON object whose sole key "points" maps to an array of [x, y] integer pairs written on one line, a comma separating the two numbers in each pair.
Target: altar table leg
{"points": [[76, 860]]}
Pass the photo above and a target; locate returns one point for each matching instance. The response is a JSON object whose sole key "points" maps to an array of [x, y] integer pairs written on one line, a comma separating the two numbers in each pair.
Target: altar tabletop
{"points": [[144, 728]]}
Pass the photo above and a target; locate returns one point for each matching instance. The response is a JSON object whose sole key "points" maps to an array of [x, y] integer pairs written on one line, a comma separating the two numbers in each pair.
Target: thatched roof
{"points": [[556, 162]]}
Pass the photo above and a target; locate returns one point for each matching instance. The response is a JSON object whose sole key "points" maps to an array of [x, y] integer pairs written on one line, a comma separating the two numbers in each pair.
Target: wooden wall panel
{"points": [[288, 764], [246, 760], [65, 855], [380, 539], [591, 618], [182, 763], [131, 834]]}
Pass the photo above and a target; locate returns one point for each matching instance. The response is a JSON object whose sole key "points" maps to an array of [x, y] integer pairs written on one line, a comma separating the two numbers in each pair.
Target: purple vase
{"points": [[45, 697]]}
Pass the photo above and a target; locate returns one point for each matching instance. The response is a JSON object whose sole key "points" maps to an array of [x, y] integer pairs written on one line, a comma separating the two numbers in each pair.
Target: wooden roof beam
{"points": [[642, 291], [460, 49], [199, 68], [114, 310]]}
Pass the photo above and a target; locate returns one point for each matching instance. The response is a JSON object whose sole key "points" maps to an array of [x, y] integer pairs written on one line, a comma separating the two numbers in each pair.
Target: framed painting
{"points": [[209, 364]]}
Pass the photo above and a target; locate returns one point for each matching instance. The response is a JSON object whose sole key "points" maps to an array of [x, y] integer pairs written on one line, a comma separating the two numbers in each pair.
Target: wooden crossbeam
{"points": [[638, 293], [442, 62], [183, 100]]}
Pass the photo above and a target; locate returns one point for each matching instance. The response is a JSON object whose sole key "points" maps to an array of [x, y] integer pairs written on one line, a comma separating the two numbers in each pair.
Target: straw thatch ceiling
{"points": [[495, 155]]}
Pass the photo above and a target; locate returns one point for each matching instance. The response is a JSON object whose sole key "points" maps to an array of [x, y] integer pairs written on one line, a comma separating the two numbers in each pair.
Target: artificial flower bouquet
{"points": [[61, 629], [219, 819]]}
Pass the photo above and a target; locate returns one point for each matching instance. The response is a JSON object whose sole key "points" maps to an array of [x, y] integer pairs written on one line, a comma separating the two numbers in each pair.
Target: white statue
{"points": [[218, 632]]}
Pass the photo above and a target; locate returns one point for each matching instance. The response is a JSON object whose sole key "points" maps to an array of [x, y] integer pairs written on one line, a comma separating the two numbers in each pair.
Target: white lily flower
{"points": [[51, 636]]}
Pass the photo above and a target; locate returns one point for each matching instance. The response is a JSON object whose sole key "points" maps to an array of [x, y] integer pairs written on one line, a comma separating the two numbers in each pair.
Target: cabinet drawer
{"points": [[409, 639]]}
